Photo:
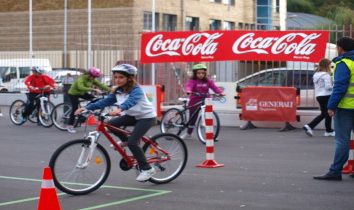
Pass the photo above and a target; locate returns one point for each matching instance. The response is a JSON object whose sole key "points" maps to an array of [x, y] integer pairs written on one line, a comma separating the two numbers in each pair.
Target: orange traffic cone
{"points": [[48, 198], [349, 168], [91, 120]]}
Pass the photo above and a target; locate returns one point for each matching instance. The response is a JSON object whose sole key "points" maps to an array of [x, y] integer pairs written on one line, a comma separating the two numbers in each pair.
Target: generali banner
{"points": [[308, 46], [268, 104]]}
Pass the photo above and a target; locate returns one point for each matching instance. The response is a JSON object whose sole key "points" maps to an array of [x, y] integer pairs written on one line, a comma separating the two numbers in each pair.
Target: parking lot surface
{"points": [[264, 169]]}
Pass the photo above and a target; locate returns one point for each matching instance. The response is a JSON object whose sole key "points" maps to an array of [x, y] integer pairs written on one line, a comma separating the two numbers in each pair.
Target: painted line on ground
{"points": [[153, 194]]}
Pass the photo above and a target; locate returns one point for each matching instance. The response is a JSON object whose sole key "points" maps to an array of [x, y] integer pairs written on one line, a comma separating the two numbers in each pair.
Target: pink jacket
{"points": [[200, 86]]}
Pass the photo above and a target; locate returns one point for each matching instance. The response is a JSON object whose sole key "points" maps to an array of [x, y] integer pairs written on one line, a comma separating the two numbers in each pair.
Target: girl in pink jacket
{"points": [[198, 89]]}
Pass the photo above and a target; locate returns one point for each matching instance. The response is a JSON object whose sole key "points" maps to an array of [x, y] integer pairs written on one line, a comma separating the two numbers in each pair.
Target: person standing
{"points": [[323, 89], [341, 106]]}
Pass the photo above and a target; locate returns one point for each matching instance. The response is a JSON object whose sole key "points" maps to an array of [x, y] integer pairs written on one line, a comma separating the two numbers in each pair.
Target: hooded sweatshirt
{"points": [[323, 84]]}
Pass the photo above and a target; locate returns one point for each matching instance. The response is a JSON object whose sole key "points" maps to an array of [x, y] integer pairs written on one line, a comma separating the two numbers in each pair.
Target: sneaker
{"points": [[308, 130], [185, 136], [329, 133], [71, 129], [1, 115], [146, 174]]}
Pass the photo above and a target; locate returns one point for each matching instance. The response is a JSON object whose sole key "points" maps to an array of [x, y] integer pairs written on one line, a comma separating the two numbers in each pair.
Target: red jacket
{"points": [[38, 81]]}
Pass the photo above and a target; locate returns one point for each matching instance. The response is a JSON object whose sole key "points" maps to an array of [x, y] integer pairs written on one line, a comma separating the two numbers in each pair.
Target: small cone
{"points": [[349, 168], [91, 120], [48, 198], [210, 164]]}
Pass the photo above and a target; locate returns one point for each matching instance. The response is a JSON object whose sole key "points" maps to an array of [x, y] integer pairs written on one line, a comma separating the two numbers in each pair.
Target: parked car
{"points": [[59, 76], [13, 71], [285, 77]]}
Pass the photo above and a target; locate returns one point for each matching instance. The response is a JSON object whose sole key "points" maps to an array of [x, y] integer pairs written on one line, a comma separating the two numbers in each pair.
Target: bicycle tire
{"points": [[46, 119], [60, 115], [172, 121], [176, 148], [16, 109], [201, 129], [63, 170]]}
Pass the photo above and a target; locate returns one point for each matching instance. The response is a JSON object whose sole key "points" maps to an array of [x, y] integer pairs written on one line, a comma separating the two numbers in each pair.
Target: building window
{"points": [[277, 6], [214, 24], [264, 14], [228, 25], [192, 23], [216, 1], [169, 22], [229, 2], [240, 25], [148, 21]]}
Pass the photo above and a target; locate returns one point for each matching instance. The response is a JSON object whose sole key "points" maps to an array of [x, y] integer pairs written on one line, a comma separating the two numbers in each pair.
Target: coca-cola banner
{"points": [[268, 104], [308, 46]]}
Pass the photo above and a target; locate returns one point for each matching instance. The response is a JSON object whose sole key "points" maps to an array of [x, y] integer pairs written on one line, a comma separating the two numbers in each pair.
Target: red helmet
{"points": [[94, 72]]}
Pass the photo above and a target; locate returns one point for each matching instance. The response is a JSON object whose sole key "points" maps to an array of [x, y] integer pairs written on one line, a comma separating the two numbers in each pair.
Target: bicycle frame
{"points": [[130, 160]]}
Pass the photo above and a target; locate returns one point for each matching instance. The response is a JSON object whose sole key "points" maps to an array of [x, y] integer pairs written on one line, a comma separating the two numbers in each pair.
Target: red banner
{"points": [[308, 46], [269, 104]]}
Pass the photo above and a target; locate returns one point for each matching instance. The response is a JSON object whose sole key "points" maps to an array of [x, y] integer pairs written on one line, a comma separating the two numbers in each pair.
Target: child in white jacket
{"points": [[323, 89]]}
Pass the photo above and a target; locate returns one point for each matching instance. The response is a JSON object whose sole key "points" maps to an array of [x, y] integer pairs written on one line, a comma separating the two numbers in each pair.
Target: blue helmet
{"points": [[126, 68]]}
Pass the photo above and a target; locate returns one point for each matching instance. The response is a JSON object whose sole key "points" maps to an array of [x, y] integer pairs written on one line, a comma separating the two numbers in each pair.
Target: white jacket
{"points": [[323, 84]]}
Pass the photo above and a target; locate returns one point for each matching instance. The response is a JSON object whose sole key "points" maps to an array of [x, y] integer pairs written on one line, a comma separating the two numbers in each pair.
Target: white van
{"points": [[13, 71]]}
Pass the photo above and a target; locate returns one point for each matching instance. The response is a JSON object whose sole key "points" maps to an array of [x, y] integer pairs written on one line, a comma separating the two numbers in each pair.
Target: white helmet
{"points": [[125, 68]]}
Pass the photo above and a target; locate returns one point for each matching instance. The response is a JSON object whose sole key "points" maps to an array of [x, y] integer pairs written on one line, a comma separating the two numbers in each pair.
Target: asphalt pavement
{"points": [[264, 169]]}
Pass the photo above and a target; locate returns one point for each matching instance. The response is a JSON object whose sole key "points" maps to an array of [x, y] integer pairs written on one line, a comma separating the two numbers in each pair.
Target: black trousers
{"points": [[141, 126], [75, 104], [32, 103], [323, 101]]}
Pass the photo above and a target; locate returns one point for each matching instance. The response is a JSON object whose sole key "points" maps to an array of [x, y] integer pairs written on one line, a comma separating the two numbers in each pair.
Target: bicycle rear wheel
{"points": [[60, 115], [72, 174], [201, 128], [172, 121], [16, 110], [168, 167], [44, 116]]}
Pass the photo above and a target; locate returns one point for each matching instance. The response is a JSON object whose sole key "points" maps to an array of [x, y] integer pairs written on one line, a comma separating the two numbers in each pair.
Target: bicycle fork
{"points": [[87, 152]]}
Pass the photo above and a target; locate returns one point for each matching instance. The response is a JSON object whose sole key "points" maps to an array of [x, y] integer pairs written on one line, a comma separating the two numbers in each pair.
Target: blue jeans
{"points": [[343, 125]]}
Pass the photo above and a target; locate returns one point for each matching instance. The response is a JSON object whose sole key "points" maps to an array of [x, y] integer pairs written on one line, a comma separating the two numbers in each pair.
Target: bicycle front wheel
{"points": [[172, 121], [168, 166], [61, 115], [73, 173], [16, 110], [201, 128], [44, 116]]}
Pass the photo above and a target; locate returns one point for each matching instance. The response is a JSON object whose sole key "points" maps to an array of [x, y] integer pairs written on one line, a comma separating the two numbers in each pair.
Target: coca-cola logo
{"points": [[278, 45], [191, 45]]}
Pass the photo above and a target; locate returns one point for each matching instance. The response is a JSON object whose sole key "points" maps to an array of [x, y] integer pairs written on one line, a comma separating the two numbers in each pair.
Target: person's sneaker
{"points": [[146, 174], [71, 129], [308, 130], [185, 136], [329, 133], [1, 115]]}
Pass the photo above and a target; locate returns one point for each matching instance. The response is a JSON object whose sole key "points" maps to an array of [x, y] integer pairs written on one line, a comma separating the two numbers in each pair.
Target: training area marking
{"points": [[152, 193]]}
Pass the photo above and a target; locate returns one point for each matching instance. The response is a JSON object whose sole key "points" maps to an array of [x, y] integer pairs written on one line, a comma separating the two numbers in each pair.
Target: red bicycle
{"points": [[81, 166]]}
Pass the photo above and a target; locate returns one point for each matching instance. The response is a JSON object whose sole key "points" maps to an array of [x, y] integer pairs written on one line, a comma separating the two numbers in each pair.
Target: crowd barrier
{"points": [[277, 104]]}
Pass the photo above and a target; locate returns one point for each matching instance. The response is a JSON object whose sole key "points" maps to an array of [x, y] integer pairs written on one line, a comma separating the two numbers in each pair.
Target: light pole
{"points": [[153, 30], [65, 31], [30, 31], [89, 53]]}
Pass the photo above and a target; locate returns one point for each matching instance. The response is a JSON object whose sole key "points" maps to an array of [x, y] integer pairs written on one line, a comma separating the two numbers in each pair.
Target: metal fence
{"points": [[119, 42]]}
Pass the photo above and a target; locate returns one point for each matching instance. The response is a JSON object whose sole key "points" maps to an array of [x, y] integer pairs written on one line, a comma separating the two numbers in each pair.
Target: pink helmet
{"points": [[94, 72]]}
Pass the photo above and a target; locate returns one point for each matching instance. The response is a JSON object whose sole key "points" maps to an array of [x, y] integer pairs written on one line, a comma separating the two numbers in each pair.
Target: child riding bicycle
{"points": [[138, 112], [80, 88], [36, 84], [199, 83]]}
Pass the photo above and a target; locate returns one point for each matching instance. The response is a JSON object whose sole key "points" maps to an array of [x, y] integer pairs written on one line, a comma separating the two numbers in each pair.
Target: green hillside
{"points": [[342, 11]]}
